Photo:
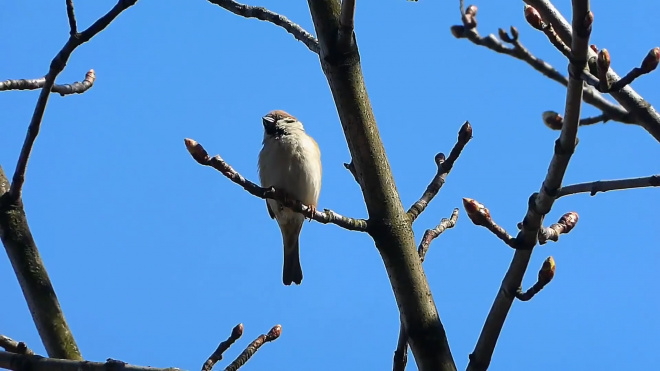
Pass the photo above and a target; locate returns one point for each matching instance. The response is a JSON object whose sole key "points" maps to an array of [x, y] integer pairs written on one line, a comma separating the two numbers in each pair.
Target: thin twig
{"points": [[565, 224], [517, 50], [56, 66], [540, 203], [245, 356], [326, 216], [264, 14], [21, 362], [72, 18], [346, 24], [32, 84], [444, 167], [546, 273], [14, 346], [401, 352], [480, 215], [555, 121], [236, 333], [609, 185]]}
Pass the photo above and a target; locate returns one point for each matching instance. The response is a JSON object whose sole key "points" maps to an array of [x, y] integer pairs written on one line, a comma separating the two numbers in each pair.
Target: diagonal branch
{"points": [[236, 333], [444, 167], [326, 216], [32, 84], [546, 274], [13, 346], [540, 203], [642, 111], [609, 185], [56, 66], [264, 14], [401, 352], [251, 349], [21, 362]]}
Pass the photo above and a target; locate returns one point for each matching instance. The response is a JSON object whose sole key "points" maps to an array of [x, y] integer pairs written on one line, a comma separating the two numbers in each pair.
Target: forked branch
{"points": [[32, 84], [254, 346], [326, 216]]}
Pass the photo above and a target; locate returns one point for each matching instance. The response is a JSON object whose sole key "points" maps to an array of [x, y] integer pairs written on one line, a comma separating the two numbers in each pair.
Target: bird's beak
{"points": [[269, 124]]}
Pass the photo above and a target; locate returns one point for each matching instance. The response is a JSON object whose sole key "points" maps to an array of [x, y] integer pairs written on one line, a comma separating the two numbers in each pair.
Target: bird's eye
{"points": [[289, 120]]}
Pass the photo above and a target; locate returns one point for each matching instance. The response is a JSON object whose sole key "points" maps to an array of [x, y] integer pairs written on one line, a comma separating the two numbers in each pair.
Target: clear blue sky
{"points": [[155, 258]]}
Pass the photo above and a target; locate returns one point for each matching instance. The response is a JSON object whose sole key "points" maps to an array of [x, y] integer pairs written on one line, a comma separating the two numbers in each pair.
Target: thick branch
{"points": [[609, 185], [32, 84], [540, 203], [401, 352], [389, 224], [326, 216], [216, 356], [264, 14], [251, 349], [56, 66], [346, 24], [642, 111], [444, 167], [21, 362], [33, 278]]}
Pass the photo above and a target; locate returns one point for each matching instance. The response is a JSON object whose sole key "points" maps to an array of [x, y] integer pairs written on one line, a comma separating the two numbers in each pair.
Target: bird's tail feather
{"points": [[292, 271]]}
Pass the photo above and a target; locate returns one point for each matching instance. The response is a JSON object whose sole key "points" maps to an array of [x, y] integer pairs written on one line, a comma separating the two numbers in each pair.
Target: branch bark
{"points": [[33, 278], [389, 224], [609, 185], [540, 203], [22, 362]]}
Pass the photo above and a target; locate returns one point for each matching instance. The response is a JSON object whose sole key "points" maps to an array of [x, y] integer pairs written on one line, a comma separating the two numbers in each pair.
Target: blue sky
{"points": [[155, 258]]}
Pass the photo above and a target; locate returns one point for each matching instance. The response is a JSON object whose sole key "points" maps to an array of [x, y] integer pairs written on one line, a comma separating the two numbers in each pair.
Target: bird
{"points": [[290, 161]]}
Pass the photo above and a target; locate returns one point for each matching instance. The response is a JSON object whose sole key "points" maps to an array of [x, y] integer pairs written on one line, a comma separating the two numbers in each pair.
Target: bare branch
{"points": [[444, 167], [326, 216], [346, 24], [21, 362], [72, 17], [14, 346], [555, 121], [546, 273], [609, 185], [236, 333], [401, 352], [541, 203], [643, 112], [32, 84], [517, 50], [565, 224], [480, 215], [56, 66], [602, 83], [264, 14], [273, 334]]}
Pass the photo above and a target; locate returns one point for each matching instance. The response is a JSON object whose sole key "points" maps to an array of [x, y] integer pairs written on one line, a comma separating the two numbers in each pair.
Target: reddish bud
{"points": [[553, 120], [458, 31], [477, 212], [651, 60], [274, 333], [196, 150], [594, 48], [603, 61], [237, 332], [465, 132], [547, 272], [471, 10], [533, 17], [569, 220]]}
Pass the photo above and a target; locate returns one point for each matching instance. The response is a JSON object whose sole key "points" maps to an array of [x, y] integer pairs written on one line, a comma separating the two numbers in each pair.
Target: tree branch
{"points": [[21, 362], [32, 84], [609, 185], [642, 111], [216, 356], [401, 352], [546, 273], [565, 224], [389, 224], [14, 346], [56, 66], [72, 18], [264, 14], [245, 356], [540, 203], [33, 278], [326, 216], [480, 215], [444, 167], [346, 24]]}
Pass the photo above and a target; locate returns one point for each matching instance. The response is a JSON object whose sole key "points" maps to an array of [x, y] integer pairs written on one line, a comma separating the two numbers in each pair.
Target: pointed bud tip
{"points": [[274, 333], [533, 17], [553, 120], [651, 60]]}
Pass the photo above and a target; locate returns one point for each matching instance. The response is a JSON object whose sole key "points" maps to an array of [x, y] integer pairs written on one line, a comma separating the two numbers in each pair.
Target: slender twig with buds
{"points": [[32, 84], [245, 356], [216, 356], [546, 273]]}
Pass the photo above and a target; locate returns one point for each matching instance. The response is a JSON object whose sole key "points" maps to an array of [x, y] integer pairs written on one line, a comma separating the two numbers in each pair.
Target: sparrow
{"points": [[290, 161]]}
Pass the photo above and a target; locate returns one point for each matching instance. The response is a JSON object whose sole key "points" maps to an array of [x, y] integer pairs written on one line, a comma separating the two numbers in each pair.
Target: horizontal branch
{"points": [[444, 167], [565, 224], [21, 362], [264, 14], [14, 346], [609, 185], [326, 216], [66, 89], [546, 273], [555, 121], [216, 356]]}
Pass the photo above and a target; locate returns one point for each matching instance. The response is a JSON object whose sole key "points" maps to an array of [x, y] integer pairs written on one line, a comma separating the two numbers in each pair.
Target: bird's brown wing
{"points": [[270, 212]]}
